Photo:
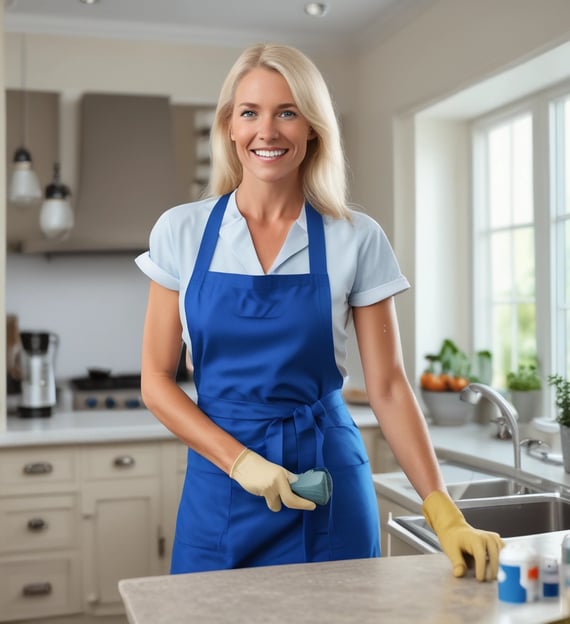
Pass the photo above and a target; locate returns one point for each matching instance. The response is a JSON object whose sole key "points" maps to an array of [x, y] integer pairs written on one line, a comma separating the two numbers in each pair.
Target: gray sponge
{"points": [[315, 485]]}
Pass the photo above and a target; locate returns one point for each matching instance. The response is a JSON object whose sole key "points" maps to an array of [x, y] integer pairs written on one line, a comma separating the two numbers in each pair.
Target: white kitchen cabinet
{"points": [[120, 505], [39, 541], [75, 520], [392, 546], [379, 453]]}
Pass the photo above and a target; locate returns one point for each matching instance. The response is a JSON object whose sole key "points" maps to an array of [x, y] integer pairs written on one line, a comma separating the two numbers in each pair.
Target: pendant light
{"points": [[56, 215], [24, 185]]}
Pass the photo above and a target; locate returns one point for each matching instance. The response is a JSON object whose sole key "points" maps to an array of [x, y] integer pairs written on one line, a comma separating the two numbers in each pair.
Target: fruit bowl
{"points": [[446, 408]]}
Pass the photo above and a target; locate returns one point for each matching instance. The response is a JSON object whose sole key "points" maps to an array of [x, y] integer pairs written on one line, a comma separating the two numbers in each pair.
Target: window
{"points": [[521, 218], [560, 138], [504, 223]]}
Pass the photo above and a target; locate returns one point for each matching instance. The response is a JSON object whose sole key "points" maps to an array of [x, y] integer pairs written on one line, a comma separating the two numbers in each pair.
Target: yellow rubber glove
{"points": [[263, 478], [457, 537]]}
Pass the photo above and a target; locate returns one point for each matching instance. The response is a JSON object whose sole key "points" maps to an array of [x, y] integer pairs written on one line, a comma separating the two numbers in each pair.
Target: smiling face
{"points": [[269, 133]]}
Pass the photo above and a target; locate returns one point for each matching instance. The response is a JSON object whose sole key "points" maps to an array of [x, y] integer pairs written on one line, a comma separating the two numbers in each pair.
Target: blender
{"points": [[37, 360]]}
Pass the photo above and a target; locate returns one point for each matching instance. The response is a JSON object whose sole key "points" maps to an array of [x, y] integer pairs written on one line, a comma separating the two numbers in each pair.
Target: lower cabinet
{"points": [[379, 453], [391, 545], [120, 505], [76, 520], [39, 586]]}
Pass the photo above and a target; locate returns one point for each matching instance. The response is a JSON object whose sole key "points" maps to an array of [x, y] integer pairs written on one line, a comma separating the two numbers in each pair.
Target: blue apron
{"points": [[265, 371]]}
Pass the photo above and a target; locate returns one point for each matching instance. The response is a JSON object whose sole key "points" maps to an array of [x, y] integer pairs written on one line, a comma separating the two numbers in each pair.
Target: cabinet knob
{"points": [[37, 524], [37, 589], [124, 461], [37, 468]]}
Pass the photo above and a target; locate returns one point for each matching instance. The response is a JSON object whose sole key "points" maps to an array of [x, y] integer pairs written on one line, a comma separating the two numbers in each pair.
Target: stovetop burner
{"points": [[107, 382]]}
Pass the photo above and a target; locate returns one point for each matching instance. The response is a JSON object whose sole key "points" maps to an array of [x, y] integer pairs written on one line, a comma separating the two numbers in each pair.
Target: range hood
{"points": [[127, 174]]}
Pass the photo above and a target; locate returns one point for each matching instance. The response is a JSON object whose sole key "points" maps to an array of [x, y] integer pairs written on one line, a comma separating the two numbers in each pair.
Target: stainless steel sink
{"points": [[480, 489], [484, 487], [528, 514], [510, 516]]}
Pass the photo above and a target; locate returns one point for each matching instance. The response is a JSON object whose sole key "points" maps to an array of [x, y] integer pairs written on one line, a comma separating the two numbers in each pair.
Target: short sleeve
{"points": [[378, 274], [159, 262]]}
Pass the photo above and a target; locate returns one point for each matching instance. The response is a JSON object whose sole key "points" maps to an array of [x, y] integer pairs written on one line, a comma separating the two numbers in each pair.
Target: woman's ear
{"points": [[312, 134]]}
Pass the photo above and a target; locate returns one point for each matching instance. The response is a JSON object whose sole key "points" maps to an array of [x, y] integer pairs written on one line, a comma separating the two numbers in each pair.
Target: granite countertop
{"points": [[84, 427], [399, 590]]}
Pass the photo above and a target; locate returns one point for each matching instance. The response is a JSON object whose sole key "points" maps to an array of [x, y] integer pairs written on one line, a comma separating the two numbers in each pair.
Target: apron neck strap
{"points": [[316, 234], [210, 236]]}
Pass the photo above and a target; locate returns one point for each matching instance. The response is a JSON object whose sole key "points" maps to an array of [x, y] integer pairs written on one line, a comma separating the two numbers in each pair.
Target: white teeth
{"points": [[269, 153]]}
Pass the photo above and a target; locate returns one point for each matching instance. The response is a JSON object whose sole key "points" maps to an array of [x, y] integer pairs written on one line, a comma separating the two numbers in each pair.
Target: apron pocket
{"points": [[354, 519], [203, 513], [343, 446]]}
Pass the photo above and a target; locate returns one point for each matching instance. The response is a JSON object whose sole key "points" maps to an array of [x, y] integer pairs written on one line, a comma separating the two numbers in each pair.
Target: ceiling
{"points": [[351, 23]]}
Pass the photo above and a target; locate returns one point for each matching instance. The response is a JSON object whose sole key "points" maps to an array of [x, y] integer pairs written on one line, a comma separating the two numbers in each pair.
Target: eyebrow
{"points": [[280, 106]]}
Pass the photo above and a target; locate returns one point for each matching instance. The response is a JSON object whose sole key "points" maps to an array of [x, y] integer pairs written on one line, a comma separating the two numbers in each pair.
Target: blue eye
{"points": [[247, 113], [288, 114]]}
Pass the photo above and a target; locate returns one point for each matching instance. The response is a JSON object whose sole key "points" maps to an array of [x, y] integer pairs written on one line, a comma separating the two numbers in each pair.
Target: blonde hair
{"points": [[324, 169]]}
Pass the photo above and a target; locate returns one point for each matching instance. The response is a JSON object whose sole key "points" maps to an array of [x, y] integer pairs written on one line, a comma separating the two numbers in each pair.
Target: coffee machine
{"points": [[37, 360]]}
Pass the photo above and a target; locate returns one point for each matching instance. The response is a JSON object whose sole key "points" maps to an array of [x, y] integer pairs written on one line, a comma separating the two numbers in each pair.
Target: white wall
{"points": [[95, 304], [452, 45], [442, 234]]}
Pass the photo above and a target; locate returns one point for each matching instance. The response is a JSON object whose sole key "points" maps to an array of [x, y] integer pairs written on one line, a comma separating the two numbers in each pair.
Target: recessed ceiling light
{"points": [[316, 9], [88, 1]]}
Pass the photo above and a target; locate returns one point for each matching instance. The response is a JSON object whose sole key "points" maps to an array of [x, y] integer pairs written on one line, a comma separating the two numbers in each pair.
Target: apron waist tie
{"points": [[307, 421]]}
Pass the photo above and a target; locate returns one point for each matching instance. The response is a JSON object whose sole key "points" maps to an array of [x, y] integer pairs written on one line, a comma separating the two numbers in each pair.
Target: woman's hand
{"points": [[457, 537], [263, 478]]}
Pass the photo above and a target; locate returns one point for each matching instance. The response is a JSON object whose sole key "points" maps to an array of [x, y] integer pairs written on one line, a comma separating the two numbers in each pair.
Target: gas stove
{"points": [[103, 391]]}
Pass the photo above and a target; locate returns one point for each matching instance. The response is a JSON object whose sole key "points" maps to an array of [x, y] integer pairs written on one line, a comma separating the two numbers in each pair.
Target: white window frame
{"points": [[550, 318]]}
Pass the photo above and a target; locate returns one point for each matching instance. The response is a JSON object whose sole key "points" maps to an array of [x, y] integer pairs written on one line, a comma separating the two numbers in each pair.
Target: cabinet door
{"points": [[388, 508], [121, 538]]}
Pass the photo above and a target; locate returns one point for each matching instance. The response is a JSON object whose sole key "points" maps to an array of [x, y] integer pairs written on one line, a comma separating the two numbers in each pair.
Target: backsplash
{"points": [[95, 303]]}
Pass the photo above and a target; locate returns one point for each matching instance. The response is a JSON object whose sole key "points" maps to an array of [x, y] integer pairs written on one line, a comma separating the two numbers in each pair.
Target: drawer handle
{"points": [[124, 461], [37, 589], [38, 468], [37, 524]]}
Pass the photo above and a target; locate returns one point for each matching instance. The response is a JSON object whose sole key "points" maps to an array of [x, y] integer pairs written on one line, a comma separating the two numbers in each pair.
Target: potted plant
{"points": [[525, 387], [446, 374], [562, 401]]}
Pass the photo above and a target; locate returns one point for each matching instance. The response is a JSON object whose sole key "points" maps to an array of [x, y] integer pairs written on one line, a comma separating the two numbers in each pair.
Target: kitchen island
{"points": [[395, 590]]}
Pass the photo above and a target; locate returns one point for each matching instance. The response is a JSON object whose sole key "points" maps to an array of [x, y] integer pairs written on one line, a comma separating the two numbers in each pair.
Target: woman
{"points": [[261, 281]]}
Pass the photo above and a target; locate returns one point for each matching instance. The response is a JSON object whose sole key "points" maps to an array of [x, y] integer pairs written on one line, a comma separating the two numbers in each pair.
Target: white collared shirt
{"points": [[361, 264]]}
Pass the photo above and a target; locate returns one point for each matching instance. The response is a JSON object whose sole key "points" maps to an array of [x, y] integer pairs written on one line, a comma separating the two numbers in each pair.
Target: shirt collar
{"points": [[235, 233]]}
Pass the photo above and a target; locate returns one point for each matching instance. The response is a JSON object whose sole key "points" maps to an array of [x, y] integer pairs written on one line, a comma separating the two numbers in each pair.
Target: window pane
{"points": [[502, 343], [566, 182], [526, 336], [501, 253], [524, 262], [566, 247], [522, 170], [562, 339], [499, 176]]}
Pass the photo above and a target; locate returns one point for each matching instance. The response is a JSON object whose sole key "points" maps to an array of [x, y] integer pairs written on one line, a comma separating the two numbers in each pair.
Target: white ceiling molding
{"points": [[138, 31]]}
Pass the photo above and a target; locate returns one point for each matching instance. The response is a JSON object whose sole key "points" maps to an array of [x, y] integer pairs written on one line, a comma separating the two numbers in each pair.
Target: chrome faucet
{"points": [[508, 414]]}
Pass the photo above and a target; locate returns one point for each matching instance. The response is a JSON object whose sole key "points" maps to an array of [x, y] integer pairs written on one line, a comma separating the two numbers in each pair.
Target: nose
{"points": [[268, 128]]}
